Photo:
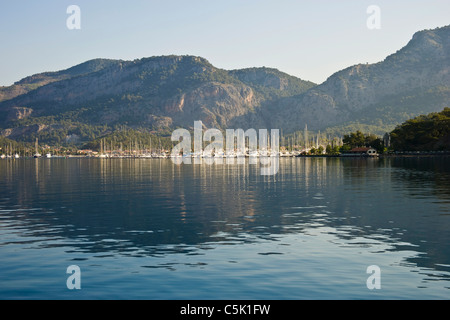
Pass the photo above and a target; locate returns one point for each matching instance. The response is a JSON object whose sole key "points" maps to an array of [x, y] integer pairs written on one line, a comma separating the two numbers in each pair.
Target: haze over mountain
{"points": [[163, 93]]}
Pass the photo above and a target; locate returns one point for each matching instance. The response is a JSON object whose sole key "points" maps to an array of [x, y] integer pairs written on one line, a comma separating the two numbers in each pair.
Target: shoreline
{"points": [[402, 155]]}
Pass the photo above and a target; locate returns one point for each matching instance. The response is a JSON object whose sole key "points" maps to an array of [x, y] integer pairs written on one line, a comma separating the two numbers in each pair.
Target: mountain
{"points": [[413, 81], [159, 94], [33, 82]]}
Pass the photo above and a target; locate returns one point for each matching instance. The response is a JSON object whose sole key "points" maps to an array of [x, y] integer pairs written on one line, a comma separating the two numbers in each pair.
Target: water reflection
{"points": [[408, 200], [139, 203], [153, 208]]}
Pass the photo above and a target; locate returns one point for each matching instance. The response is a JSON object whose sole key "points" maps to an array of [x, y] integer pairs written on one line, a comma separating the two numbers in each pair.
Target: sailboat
{"points": [[37, 154], [102, 155], [8, 152]]}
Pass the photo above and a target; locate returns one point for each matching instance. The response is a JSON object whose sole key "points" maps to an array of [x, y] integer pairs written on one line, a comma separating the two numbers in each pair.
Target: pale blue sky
{"points": [[308, 39]]}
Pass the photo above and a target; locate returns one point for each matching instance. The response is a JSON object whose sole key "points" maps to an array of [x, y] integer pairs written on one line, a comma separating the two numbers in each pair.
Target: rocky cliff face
{"points": [[217, 104]]}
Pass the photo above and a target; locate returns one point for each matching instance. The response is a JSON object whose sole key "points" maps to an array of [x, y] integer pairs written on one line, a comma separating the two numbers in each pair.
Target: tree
{"points": [[359, 139], [424, 133], [355, 139], [332, 151]]}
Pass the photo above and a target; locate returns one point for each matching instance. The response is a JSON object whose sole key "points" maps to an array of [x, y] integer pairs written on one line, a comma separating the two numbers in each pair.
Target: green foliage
{"points": [[317, 151], [355, 139], [332, 151], [359, 139], [10, 147], [130, 139], [424, 133]]}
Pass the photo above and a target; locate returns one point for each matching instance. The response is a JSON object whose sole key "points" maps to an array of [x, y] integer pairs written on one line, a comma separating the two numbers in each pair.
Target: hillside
{"points": [[413, 81], [424, 133], [35, 81], [158, 94]]}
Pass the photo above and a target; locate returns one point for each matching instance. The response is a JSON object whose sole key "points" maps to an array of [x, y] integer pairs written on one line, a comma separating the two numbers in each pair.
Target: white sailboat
{"points": [[219, 154], [9, 152], [37, 154], [102, 153]]}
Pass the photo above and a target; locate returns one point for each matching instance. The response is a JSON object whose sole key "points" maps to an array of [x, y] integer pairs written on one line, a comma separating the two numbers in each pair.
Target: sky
{"points": [[309, 39]]}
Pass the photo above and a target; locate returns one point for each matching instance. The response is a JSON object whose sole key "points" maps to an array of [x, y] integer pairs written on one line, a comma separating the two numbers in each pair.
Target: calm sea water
{"points": [[149, 229]]}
